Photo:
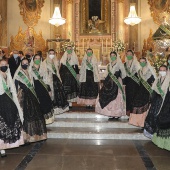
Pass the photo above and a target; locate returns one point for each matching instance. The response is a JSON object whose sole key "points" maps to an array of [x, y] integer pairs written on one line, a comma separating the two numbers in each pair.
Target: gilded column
{"points": [[69, 19], [3, 23], [120, 25]]}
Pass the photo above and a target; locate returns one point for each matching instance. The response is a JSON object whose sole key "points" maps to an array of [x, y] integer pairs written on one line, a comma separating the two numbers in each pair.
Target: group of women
{"points": [[41, 89]]}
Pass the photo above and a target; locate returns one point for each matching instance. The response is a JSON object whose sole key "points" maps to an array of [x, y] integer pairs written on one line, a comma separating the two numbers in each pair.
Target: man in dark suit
{"points": [[14, 62]]}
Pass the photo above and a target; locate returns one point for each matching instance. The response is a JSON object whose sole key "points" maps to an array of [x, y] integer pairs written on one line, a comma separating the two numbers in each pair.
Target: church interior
{"points": [[81, 139]]}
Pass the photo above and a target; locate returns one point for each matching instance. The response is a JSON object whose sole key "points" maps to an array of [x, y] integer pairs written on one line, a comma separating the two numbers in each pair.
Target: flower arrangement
{"points": [[119, 46]]}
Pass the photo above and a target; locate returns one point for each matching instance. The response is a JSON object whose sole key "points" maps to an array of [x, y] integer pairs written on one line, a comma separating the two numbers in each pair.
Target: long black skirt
{"points": [[44, 99], [70, 84], [150, 122], [131, 90], [108, 92], [89, 89], [34, 123], [10, 124], [60, 99]]}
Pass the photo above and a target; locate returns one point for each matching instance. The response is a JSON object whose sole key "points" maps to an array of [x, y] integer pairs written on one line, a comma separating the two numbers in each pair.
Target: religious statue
{"points": [[31, 5], [29, 41], [94, 24]]}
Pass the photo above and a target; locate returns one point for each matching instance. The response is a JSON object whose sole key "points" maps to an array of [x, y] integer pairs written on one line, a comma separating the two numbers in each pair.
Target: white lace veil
{"points": [[119, 66], [73, 59], [135, 64], [14, 94]]}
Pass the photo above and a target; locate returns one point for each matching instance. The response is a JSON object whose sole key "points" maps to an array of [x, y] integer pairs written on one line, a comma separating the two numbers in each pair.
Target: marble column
{"points": [[69, 19], [3, 23], [121, 25]]}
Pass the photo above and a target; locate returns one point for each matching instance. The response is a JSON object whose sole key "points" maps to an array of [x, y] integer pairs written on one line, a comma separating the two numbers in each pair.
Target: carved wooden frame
{"points": [[30, 18]]}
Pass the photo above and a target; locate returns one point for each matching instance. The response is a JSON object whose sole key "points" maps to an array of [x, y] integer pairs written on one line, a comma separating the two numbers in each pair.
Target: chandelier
{"points": [[132, 18], [57, 20]]}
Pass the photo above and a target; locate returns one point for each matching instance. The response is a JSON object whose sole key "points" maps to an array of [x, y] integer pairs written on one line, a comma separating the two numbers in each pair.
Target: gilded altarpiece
{"points": [[101, 40]]}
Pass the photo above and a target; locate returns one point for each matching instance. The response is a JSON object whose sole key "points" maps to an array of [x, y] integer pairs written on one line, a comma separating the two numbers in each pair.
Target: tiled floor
{"points": [[64, 154]]}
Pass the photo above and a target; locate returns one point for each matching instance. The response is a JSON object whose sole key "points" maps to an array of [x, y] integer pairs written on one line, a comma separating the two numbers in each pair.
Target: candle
{"points": [[83, 45], [78, 46], [111, 44], [106, 45], [102, 47]]}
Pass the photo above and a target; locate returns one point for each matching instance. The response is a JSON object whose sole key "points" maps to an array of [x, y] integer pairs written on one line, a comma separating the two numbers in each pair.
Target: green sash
{"points": [[131, 75], [6, 89], [165, 29], [145, 84], [54, 69], [39, 77], [89, 65], [27, 83], [159, 88], [72, 71], [113, 77]]}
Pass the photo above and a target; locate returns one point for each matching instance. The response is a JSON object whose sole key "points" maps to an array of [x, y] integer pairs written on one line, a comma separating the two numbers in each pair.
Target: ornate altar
{"points": [[29, 41], [159, 9]]}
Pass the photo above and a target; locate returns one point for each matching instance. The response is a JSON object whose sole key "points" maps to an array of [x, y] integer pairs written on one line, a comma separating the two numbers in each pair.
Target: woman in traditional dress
{"points": [[131, 81], [51, 77], [161, 137], [34, 126], [10, 112], [42, 90], [89, 79], [112, 99], [141, 100], [69, 75], [160, 88]]}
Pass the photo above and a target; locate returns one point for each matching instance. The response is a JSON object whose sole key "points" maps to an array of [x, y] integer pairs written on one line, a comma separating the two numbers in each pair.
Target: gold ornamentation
{"points": [[69, 1], [148, 44], [31, 11], [28, 41], [159, 8], [86, 24]]}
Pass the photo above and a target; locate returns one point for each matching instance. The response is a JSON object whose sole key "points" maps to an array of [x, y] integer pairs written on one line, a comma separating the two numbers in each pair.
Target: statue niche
{"points": [[95, 17]]}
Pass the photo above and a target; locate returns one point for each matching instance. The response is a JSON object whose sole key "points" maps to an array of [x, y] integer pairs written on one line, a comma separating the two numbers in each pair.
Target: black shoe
{"points": [[3, 155], [87, 107], [70, 107], [90, 107], [111, 119]]}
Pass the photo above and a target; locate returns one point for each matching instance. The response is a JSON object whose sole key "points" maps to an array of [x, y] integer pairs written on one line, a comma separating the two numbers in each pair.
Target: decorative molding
{"points": [[159, 9], [31, 11], [69, 1]]}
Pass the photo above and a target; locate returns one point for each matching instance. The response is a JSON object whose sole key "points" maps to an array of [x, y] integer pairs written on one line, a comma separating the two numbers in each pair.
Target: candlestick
{"points": [[106, 45], [102, 46], [83, 45]]}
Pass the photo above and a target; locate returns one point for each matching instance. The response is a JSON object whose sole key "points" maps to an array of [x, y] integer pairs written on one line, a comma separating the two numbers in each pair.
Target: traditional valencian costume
{"points": [[10, 113], [68, 72], [141, 100], [42, 90], [159, 108], [161, 135], [112, 99], [51, 77], [34, 123], [89, 79], [131, 81]]}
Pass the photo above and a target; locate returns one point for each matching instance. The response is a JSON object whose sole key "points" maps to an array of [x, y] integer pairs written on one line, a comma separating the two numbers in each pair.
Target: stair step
{"points": [[93, 122], [87, 115], [95, 133]]}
